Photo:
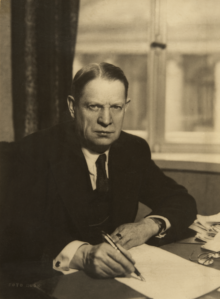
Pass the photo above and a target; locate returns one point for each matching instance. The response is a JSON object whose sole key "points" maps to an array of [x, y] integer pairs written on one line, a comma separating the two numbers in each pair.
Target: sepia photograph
{"points": [[109, 149]]}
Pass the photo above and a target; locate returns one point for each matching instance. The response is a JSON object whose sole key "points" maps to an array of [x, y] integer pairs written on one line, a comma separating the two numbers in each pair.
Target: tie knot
{"points": [[101, 161]]}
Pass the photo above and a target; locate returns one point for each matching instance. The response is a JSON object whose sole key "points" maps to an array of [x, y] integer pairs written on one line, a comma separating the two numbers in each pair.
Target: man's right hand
{"points": [[102, 261]]}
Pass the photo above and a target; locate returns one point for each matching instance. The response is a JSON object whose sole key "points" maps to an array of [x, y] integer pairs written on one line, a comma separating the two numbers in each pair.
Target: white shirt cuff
{"points": [[62, 261], [167, 222]]}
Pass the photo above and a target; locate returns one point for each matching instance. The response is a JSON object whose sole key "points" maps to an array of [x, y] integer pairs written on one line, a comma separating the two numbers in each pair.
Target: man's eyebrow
{"points": [[101, 104], [118, 103], [93, 103]]}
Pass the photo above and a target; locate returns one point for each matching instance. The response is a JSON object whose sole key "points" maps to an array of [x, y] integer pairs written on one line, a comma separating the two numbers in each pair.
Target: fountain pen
{"points": [[110, 241]]}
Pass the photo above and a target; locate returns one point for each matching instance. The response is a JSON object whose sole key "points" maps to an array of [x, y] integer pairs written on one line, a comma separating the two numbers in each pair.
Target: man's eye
{"points": [[117, 108], [94, 107]]}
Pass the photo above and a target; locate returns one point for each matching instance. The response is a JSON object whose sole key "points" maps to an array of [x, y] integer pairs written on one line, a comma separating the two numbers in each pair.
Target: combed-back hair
{"points": [[97, 70]]}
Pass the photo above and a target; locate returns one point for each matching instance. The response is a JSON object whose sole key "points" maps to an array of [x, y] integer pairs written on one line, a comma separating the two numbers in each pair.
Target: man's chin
{"points": [[100, 145]]}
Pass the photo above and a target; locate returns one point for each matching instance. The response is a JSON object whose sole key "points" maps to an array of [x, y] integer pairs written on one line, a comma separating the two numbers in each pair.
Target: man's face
{"points": [[99, 113]]}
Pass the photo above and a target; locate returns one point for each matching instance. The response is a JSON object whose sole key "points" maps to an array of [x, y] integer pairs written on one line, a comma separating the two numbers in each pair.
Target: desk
{"points": [[184, 249], [109, 288]]}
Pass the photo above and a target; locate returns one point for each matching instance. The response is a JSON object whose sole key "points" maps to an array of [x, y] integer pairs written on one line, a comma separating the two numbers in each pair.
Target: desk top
{"points": [[84, 285], [187, 247]]}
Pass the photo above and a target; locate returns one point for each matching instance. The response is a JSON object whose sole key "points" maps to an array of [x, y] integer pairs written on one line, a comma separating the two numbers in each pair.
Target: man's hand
{"points": [[134, 234], [102, 261]]}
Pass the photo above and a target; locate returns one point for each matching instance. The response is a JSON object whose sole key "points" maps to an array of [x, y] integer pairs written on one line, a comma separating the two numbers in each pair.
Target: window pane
{"points": [[117, 32], [193, 71]]}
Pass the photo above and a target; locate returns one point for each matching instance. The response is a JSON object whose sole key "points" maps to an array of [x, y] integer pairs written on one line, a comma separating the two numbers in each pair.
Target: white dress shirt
{"points": [[62, 261], [91, 158]]}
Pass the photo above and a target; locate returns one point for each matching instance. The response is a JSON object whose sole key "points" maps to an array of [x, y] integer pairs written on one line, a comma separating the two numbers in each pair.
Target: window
{"points": [[118, 32], [169, 50], [192, 97]]}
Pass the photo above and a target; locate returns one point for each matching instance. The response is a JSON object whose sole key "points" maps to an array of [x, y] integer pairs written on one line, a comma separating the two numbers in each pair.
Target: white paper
{"points": [[202, 234], [169, 276], [208, 221], [213, 245]]}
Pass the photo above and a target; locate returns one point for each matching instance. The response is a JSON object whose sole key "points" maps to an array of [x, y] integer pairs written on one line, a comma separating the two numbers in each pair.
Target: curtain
{"points": [[43, 45]]}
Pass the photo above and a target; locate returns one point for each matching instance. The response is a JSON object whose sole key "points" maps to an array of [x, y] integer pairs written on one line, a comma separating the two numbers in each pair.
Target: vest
{"points": [[100, 211]]}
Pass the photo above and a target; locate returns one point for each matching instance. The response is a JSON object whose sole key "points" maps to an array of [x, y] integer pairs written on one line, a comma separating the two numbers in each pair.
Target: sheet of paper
{"points": [[213, 245], [208, 221], [202, 234], [169, 276]]}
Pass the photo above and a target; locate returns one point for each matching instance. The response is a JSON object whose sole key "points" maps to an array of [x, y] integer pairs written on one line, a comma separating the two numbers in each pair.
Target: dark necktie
{"points": [[102, 180]]}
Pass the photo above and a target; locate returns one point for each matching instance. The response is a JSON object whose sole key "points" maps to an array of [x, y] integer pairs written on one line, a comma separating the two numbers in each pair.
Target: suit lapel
{"points": [[124, 183], [70, 171], [71, 175]]}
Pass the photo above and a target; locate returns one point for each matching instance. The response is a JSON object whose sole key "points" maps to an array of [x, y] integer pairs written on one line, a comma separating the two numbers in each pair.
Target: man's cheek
{"points": [[86, 129]]}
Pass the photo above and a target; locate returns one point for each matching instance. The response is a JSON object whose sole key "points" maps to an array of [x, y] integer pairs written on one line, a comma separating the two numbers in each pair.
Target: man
{"points": [[86, 176]]}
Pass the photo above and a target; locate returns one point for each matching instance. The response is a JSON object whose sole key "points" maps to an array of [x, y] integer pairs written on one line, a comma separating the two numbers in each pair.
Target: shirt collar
{"points": [[91, 158]]}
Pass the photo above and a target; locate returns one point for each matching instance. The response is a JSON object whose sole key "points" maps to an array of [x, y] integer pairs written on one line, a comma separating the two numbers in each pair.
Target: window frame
{"points": [[156, 89], [156, 61]]}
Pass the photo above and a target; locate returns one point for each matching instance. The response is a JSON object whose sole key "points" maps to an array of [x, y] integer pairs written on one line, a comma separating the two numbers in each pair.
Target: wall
{"points": [[204, 186]]}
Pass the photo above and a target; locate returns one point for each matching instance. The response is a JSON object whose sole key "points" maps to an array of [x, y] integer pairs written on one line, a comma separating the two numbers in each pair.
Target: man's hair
{"points": [[97, 70]]}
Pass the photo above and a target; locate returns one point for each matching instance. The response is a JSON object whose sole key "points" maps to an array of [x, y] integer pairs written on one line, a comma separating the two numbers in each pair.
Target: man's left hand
{"points": [[134, 234]]}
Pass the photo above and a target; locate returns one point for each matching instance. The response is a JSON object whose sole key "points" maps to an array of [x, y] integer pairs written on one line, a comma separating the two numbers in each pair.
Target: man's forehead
{"points": [[101, 83], [101, 89]]}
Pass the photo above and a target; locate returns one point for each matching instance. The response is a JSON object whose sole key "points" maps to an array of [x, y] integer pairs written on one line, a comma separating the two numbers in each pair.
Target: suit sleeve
{"points": [[37, 223], [61, 230], [165, 197]]}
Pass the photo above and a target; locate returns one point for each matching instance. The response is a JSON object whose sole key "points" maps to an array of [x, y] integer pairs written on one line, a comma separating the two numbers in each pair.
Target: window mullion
{"points": [[156, 75]]}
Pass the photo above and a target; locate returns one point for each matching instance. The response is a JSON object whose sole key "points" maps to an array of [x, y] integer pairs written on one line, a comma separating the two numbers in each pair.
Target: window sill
{"points": [[183, 161], [191, 162]]}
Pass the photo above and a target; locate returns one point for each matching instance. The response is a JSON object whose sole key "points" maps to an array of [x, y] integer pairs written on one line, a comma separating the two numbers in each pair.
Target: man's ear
{"points": [[127, 103], [71, 102]]}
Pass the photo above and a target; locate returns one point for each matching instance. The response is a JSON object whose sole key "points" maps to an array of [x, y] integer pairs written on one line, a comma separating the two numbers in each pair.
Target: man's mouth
{"points": [[104, 133]]}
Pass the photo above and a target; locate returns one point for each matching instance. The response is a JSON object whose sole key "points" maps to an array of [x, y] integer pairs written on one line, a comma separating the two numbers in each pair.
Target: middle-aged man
{"points": [[85, 176]]}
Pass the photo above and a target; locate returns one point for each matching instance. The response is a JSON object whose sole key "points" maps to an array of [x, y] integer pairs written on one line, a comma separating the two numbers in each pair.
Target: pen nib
{"points": [[142, 278]]}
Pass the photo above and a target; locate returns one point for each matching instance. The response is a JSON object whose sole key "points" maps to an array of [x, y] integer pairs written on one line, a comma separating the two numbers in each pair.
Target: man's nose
{"points": [[105, 117]]}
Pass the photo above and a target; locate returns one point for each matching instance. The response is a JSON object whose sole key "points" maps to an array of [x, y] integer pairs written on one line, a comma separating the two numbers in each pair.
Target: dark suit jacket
{"points": [[49, 192]]}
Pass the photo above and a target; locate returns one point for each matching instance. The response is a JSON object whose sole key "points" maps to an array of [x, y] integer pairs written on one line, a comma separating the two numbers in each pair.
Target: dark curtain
{"points": [[43, 44]]}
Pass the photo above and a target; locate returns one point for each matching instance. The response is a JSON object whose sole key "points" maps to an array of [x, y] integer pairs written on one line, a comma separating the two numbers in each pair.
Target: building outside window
{"points": [[170, 52]]}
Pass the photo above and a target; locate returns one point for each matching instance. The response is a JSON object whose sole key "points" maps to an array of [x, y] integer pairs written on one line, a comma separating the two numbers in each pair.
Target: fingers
{"points": [[128, 242], [118, 234], [125, 261], [125, 239], [104, 261], [106, 268], [133, 234], [117, 264], [114, 235], [127, 254]]}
